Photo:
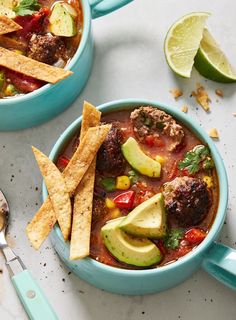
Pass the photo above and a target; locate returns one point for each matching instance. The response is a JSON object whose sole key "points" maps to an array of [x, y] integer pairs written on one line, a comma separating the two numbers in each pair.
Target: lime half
{"points": [[182, 42], [211, 62]]}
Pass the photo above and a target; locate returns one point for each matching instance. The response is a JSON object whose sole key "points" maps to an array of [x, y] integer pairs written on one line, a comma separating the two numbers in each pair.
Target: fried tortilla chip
{"points": [[31, 68], [7, 25], [57, 191], [83, 200], [84, 155], [41, 218]]}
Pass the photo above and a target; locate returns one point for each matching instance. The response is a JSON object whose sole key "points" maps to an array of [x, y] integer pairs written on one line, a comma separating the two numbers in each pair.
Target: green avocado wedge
{"points": [[128, 249], [139, 160], [147, 220], [62, 22]]}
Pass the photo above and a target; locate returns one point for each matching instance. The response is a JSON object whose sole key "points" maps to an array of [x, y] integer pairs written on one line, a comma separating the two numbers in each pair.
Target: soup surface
{"points": [[51, 33], [188, 181]]}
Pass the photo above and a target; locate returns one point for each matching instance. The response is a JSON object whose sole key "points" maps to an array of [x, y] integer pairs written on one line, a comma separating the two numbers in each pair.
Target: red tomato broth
{"points": [[148, 187], [37, 24]]}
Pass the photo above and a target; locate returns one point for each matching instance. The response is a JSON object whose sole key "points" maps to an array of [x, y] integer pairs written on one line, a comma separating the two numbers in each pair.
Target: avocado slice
{"points": [[139, 160], [5, 11], [128, 249], [148, 219], [62, 22]]}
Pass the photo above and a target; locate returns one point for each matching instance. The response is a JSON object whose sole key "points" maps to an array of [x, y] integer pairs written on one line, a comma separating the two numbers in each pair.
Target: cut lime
{"points": [[182, 42], [211, 62]]}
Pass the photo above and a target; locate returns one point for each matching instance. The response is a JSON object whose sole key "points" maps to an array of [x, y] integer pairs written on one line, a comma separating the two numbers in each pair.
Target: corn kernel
{"points": [[122, 183], [109, 203], [115, 213], [160, 159], [209, 181]]}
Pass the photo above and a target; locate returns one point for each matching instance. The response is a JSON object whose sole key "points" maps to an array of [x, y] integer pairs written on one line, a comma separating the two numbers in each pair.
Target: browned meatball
{"points": [[46, 48], [187, 199], [152, 121], [99, 209], [109, 158]]}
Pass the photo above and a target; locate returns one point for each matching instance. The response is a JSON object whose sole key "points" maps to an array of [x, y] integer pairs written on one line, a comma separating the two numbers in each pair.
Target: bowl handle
{"points": [[220, 262], [102, 7]]}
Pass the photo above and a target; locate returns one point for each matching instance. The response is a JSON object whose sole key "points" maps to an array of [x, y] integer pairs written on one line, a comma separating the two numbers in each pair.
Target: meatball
{"points": [[46, 48], [152, 121], [109, 158], [99, 209], [187, 199]]}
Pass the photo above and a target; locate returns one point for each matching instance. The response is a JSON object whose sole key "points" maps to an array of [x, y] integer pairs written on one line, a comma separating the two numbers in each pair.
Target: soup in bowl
{"points": [[159, 201], [46, 61]]}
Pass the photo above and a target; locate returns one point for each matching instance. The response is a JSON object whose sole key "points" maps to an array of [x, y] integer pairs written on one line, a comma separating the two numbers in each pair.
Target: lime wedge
{"points": [[211, 62], [182, 42]]}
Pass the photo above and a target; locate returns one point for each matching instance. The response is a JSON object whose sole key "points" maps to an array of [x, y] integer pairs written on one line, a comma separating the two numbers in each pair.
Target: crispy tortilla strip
{"points": [[7, 25], [57, 191], [12, 44], [41, 225], [31, 68], [84, 155], [41, 218], [83, 200]]}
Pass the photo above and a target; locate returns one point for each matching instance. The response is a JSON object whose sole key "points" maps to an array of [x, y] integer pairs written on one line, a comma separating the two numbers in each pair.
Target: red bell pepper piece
{"points": [[153, 141], [62, 162], [125, 200], [195, 236], [23, 83]]}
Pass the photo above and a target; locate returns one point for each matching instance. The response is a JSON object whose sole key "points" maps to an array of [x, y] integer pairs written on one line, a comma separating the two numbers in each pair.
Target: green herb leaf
{"points": [[173, 238], [197, 159], [109, 184], [133, 176], [27, 7]]}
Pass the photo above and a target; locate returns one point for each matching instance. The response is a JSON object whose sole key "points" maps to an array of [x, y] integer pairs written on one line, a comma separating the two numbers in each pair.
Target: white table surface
{"points": [[129, 63]]}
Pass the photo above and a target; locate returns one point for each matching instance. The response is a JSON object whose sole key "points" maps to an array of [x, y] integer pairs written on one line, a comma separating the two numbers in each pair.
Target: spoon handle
{"points": [[34, 301]]}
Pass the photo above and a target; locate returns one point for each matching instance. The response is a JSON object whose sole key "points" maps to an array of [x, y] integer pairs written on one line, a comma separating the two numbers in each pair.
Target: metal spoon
{"points": [[35, 303]]}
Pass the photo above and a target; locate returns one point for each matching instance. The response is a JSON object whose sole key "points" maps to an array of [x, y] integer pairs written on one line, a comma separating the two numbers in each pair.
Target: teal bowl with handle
{"points": [[217, 259], [34, 108]]}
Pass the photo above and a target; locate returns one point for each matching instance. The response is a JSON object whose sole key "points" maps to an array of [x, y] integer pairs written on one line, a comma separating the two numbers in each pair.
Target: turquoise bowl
{"points": [[215, 258], [45, 103]]}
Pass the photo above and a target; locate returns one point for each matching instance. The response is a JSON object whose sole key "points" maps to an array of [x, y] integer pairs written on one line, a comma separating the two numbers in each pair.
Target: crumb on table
{"points": [[176, 93], [219, 93], [213, 133], [184, 108], [202, 97]]}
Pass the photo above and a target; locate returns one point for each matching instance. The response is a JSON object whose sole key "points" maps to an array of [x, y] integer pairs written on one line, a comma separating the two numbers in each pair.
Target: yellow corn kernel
{"points": [[209, 181], [122, 183], [160, 159], [109, 203], [115, 213]]}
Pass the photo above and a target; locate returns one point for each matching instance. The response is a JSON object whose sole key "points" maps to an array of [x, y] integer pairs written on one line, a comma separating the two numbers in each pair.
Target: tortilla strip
{"points": [[83, 200], [57, 191], [12, 44], [7, 25], [31, 68], [42, 223], [84, 155]]}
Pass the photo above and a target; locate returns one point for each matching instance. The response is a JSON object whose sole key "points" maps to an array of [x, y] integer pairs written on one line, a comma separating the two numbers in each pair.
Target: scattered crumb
{"points": [[184, 108], [213, 133], [176, 93], [202, 97], [219, 93], [1, 271], [234, 114]]}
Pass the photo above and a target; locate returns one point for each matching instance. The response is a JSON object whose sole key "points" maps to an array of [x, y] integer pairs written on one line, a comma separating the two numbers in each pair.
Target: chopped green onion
{"points": [[109, 184]]}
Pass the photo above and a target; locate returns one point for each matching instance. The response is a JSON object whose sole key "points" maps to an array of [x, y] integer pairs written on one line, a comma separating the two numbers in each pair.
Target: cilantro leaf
{"points": [[173, 238], [196, 159], [27, 7]]}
